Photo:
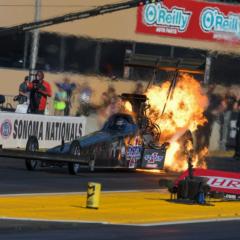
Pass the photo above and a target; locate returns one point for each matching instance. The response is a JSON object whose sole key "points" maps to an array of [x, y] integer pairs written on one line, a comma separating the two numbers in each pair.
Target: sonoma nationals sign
{"points": [[190, 19], [15, 129]]}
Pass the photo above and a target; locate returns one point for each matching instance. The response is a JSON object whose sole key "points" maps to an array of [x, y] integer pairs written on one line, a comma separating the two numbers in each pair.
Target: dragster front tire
{"points": [[32, 146], [75, 150]]}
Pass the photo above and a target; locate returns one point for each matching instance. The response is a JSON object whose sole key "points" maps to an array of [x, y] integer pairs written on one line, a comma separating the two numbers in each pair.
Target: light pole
{"points": [[35, 42]]}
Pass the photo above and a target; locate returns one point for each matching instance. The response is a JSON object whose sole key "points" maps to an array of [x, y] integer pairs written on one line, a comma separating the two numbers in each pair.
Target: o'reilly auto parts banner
{"points": [[191, 20], [50, 130]]}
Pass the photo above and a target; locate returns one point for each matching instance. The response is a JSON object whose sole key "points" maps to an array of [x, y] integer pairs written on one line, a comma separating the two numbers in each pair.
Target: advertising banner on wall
{"points": [[190, 19], [15, 129]]}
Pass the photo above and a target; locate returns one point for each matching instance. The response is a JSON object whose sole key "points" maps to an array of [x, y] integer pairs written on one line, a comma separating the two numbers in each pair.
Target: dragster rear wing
{"points": [[187, 65]]}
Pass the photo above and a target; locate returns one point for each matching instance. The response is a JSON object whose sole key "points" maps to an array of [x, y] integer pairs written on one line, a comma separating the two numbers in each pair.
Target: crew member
{"points": [[39, 91]]}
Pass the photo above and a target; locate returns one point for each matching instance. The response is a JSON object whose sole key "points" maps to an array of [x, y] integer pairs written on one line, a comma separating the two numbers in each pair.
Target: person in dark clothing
{"points": [[212, 114], [39, 91], [237, 146], [23, 91]]}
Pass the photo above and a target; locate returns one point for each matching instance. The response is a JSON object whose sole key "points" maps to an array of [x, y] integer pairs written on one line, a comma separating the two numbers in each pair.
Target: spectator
{"points": [[212, 114], [110, 104], [228, 103], [111, 92], [215, 122], [114, 106], [39, 91], [237, 146], [60, 100], [109, 96], [85, 94], [23, 91], [139, 89], [105, 100], [68, 88]]}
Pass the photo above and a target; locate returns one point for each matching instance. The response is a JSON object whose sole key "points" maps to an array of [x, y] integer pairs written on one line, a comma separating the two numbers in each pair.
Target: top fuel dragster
{"points": [[122, 142]]}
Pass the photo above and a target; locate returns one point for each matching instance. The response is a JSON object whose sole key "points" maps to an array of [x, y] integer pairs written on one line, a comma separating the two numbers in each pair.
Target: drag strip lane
{"points": [[15, 179]]}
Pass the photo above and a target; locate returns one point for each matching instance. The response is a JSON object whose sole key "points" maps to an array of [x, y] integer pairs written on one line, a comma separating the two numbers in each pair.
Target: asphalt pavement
{"points": [[12, 230], [14, 179]]}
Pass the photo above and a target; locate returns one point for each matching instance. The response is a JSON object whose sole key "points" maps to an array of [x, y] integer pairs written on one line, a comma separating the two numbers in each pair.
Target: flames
{"points": [[183, 112], [184, 109], [128, 106], [181, 116]]}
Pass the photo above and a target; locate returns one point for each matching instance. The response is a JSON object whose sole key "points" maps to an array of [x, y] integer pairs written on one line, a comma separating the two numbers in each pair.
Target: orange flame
{"points": [[128, 106], [184, 111]]}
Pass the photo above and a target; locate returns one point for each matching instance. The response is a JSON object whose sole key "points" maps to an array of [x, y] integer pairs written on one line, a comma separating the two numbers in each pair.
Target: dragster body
{"points": [[117, 126]]}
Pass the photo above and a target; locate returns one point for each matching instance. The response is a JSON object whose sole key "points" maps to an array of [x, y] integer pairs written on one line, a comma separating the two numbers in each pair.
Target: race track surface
{"points": [[14, 179]]}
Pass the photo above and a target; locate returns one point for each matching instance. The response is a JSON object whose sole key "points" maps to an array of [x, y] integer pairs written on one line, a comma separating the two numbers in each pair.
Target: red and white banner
{"points": [[219, 181], [190, 19]]}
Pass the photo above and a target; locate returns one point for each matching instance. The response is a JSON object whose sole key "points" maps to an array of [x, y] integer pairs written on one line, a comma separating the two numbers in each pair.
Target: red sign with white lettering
{"points": [[219, 181], [190, 19]]}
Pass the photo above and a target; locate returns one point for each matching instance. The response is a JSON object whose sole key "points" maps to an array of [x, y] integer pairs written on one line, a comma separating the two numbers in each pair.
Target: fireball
{"points": [[183, 112]]}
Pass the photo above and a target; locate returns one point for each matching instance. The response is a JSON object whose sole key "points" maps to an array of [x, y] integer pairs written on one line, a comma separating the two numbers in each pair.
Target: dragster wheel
{"points": [[32, 146], [75, 150]]}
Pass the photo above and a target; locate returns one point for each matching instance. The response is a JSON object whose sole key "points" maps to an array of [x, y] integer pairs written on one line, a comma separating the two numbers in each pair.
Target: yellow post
{"points": [[93, 195]]}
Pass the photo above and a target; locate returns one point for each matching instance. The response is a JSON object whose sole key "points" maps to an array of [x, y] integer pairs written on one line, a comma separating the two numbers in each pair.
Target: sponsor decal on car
{"points": [[153, 158], [134, 152], [133, 155]]}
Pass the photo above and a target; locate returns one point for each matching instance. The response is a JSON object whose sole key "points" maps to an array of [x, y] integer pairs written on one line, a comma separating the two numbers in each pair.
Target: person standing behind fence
{"points": [[139, 89], [68, 88], [237, 146], [228, 103], [60, 100], [39, 91], [23, 91]]}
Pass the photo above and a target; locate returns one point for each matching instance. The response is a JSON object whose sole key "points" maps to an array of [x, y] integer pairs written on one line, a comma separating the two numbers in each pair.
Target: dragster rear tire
{"points": [[75, 150], [32, 146]]}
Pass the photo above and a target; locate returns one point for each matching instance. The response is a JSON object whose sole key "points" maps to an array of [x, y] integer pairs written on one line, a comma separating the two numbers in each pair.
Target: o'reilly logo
{"points": [[160, 15], [213, 20]]}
